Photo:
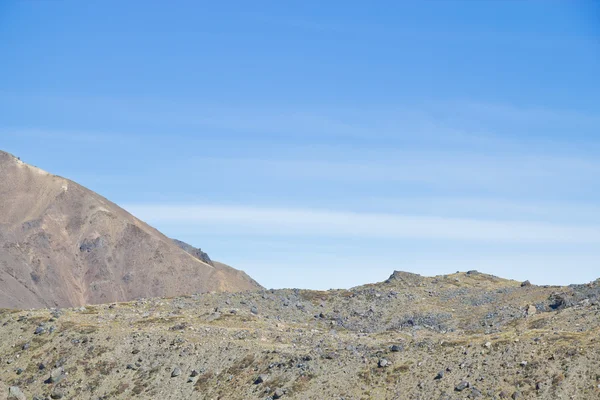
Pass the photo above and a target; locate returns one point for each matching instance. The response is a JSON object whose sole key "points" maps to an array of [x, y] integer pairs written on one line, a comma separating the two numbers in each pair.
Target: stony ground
{"points": [[466, 335]]}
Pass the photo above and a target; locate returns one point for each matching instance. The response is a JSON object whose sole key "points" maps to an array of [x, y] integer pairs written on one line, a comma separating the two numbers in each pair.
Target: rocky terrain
{"points": [[460, 336], [198, 253], [63, 245]]}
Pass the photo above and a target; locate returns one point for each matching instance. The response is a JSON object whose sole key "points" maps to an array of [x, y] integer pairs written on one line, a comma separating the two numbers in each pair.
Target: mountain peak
{"points": [[64, 245]]}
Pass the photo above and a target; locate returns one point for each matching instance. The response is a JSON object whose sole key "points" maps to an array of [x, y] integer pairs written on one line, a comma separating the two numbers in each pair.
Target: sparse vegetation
{"points": [[314, 345]]}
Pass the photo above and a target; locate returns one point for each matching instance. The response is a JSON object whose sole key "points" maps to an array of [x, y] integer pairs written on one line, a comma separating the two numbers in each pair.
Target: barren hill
{"points": [[64, 245], [453, 337]]}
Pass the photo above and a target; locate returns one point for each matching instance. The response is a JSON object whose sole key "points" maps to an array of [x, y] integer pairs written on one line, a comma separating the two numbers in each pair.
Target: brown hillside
{"points": [[64, 245]]}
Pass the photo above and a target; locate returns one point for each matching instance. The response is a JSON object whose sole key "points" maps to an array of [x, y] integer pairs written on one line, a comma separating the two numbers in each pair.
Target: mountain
{"points": [[64, 245], [461, 336]]}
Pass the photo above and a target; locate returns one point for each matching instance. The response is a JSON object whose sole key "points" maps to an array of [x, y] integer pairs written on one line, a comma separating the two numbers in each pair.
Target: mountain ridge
{"points": [[62, 244], [466, 335]]}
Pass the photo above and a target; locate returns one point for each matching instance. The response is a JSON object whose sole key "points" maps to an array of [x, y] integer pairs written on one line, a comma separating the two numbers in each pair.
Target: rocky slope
{"points": [[459, 336], [196, 252], [64, 245]]}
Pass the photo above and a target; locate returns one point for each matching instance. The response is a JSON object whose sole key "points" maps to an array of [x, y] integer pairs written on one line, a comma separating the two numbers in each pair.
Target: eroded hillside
{"points": [[63, 245]]}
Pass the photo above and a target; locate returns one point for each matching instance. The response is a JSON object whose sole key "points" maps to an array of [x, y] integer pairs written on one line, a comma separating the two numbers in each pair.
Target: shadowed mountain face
{"points": [[64, 245], [198, 253]]}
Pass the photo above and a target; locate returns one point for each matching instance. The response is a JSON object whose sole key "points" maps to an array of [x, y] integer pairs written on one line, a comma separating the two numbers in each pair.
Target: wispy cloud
{"points": [[508, 174], [482, 207], [284, 221], [82, 136], [426, 122]]}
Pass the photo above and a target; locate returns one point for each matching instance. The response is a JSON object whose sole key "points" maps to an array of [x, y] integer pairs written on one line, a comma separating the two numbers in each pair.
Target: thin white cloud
{"points": [[487, 208], [527, 115], [67, 135], [440, 122], [445, 170], [317, 223]]}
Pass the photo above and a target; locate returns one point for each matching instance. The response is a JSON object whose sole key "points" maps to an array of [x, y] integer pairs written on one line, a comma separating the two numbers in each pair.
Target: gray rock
{"points": [[176, 372], [439, 375], [383, 363], [260, 379], [26, 346], [278, 393], [56, 375], [395, 348], [558, 302], [196, 252], [14, 393], [462, 386], [194, 373], [39, 330], [57, 393]]}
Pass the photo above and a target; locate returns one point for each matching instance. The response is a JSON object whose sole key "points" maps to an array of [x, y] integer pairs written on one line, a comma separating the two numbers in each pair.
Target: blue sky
{"points": [[324, 145]]}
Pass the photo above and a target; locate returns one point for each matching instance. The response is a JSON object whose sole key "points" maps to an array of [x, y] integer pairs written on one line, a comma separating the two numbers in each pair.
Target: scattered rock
{"points": [[383, 363], [176, 372], [558, 302], [56, 375], [260, 379], [278, 393], [462, 386], [57, 393], [14, 393]]}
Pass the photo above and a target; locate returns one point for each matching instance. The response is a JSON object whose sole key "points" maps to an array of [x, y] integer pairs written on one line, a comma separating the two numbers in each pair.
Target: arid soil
{"points": [[460, 336]]}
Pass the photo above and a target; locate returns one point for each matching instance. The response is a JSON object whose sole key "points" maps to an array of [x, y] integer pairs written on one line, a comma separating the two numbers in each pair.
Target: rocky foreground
{"points": [[465, 335]]}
